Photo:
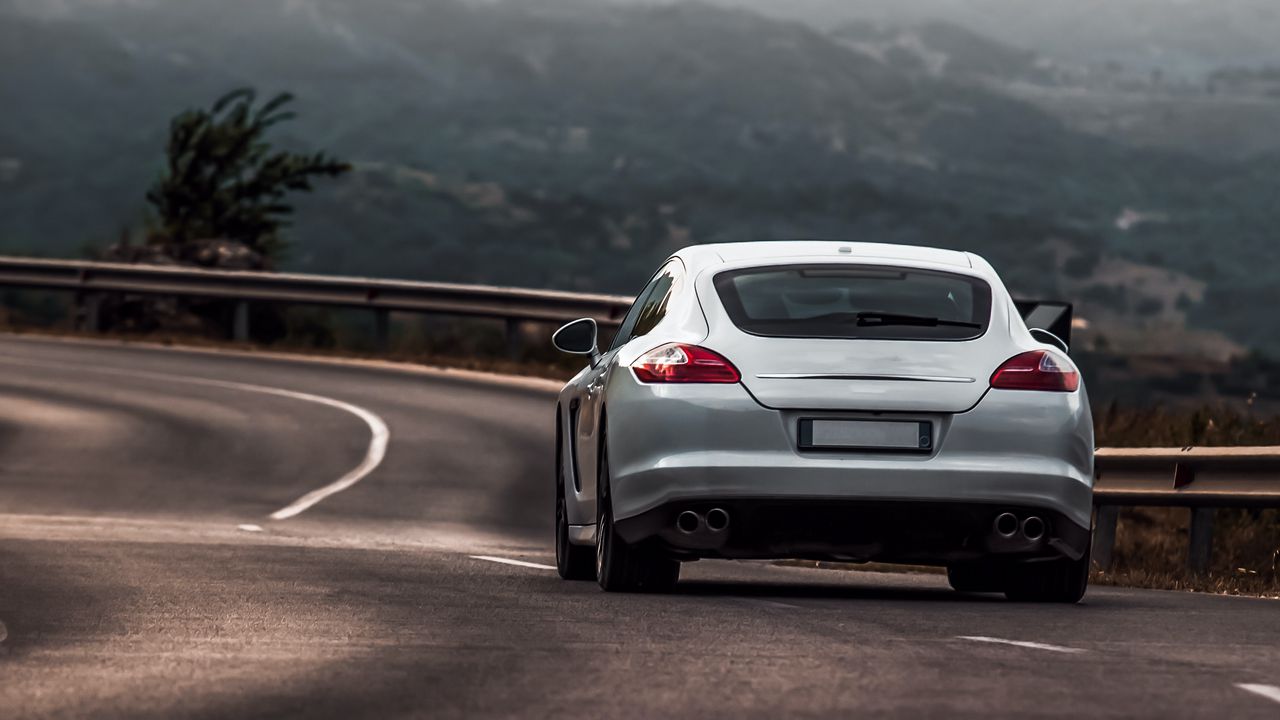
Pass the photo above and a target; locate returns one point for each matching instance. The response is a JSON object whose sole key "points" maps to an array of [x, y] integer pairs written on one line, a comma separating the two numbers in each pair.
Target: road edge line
{"points": [[509, 561], [1270, 692], [374, 455]]}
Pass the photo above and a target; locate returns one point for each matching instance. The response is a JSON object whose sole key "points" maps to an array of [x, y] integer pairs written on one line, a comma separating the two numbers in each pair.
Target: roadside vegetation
{"points": [[1219, 425], [1151, 549], [224, 182], [222, 201]]}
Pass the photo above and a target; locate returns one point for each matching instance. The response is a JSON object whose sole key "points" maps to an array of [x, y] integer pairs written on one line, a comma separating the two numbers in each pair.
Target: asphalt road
{"points": [[142, 576]]}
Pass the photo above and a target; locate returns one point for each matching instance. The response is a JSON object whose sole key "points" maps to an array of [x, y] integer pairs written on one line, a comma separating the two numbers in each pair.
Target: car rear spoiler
{"points": [[1052, 315]]}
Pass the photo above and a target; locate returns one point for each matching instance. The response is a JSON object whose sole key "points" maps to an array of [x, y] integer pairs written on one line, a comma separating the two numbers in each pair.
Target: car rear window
{"points": [[855, 301]]}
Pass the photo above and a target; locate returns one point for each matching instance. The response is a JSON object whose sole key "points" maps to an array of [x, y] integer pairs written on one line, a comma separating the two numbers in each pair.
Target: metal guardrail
{"points": [[1196, 478], [89, 280], [1201, 479], [1189, 477]]}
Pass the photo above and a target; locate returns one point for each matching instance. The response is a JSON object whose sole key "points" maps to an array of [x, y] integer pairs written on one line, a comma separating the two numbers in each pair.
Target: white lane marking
{"points": [[1021, 643], [1270, 692], [249, 527], [372, 459], [4, 632], [509, 561]]}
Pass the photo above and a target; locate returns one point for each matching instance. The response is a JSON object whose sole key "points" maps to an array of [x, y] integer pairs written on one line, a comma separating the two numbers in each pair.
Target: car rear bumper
{"points": [[762, 474], [855, 530], [673, 449]]}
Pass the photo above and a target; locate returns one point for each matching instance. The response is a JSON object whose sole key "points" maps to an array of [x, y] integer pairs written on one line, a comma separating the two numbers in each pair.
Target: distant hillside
{"points": [[573, 145], [1180, 37], [941, 48]]}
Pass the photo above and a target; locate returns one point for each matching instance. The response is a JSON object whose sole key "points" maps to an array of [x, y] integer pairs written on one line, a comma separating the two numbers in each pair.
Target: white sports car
{"points": [[825, 400]]}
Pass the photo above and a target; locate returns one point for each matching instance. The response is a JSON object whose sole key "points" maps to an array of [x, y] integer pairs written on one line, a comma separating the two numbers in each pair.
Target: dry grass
{"points": [[1151, 551], [1208, 426]]}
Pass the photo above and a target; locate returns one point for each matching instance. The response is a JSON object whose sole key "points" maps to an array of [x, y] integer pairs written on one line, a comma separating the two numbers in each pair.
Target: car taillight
{"points": [[1036, 370], [677, 363]]}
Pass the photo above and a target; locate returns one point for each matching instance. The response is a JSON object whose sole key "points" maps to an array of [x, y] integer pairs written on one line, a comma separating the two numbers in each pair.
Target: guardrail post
{"points": [[1200, 547], [240, 323], [89, 311], [382, 330], [1104, 535], [515, 343]]}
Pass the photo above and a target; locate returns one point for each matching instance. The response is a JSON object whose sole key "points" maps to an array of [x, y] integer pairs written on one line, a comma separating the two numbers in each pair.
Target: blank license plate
{"points": [[900, 435]]}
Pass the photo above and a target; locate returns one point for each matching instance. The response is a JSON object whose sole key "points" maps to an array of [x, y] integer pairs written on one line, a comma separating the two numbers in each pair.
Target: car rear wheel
{"points": [[620, 566], [1059, 581]]}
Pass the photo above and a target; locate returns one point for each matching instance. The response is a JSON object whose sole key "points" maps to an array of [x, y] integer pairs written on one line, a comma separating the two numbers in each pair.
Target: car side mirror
{"points": [[578, 338], [1048, 338]]}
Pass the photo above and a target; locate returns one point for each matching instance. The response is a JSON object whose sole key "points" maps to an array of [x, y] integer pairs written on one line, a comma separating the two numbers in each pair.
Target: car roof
{"points": [[740, 252]]}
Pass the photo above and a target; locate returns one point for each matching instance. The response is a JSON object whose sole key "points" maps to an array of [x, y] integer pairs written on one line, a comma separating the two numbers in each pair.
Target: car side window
{"points": [[649, 308], [629, 322], [655, 305]]}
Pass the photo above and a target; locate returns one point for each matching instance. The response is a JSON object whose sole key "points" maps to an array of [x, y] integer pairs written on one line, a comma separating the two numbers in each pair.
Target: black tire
{"points": [[622, 567], [1059, 581], [976, 578], [573, 562]]}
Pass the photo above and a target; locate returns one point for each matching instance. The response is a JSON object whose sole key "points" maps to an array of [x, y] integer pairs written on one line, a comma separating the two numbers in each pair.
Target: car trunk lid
{"points": [[859, 336], [865, 375]]}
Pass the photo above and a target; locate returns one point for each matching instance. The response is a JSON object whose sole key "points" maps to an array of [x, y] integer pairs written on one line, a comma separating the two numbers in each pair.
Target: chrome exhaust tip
{"points": [[688, 522], [1006, 525], [1033, 528], [717, 520]]}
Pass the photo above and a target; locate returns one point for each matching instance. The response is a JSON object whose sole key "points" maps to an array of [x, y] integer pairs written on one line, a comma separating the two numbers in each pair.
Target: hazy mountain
{"points": [[572, 144], [1192, 37]]}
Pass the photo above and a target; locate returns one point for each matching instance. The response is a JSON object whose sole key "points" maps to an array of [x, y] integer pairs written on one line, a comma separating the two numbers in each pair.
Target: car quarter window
{"points": [[629, 322], [650, 306]]}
